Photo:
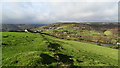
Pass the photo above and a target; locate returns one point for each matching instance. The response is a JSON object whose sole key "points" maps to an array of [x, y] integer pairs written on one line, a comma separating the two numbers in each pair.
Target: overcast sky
{"points": [[51, 12]]}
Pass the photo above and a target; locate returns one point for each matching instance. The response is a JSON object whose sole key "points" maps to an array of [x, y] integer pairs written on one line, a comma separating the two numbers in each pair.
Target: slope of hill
{"points": [[97, 32], [37, 49]]}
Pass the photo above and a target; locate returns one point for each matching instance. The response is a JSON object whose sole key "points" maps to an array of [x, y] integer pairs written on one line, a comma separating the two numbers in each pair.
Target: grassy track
{"points": [[33, 49]]}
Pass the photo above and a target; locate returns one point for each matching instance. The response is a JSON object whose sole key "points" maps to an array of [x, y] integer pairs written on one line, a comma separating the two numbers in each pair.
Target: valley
{"points": [[62, 45]]}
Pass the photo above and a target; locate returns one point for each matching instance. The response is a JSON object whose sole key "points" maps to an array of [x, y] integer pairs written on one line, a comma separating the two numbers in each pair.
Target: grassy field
{"points": [[36, 49]]}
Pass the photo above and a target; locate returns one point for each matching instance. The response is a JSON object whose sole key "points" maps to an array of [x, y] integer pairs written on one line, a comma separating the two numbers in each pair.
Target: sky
{"points": [[47, 12]]}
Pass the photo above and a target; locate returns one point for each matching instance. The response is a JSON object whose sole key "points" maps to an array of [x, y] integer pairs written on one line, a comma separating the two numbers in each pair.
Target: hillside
{"points": [[38, 49], [90, 32]]}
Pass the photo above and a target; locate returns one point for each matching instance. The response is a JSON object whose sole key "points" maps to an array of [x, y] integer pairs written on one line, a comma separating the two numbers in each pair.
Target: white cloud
{"points": [[51, 12], [0, 14], [59, 0]]}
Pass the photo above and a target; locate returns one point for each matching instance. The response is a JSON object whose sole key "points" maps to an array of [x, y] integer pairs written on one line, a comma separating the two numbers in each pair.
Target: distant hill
{"points": [[17, 27], [92, 32]]}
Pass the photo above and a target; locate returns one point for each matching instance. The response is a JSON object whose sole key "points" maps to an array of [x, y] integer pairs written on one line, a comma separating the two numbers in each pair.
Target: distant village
{"points": [[41, 30]]}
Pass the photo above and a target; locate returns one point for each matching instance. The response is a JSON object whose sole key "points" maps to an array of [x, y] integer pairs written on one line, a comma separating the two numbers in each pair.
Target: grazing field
{"points": [[36, 49]]}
